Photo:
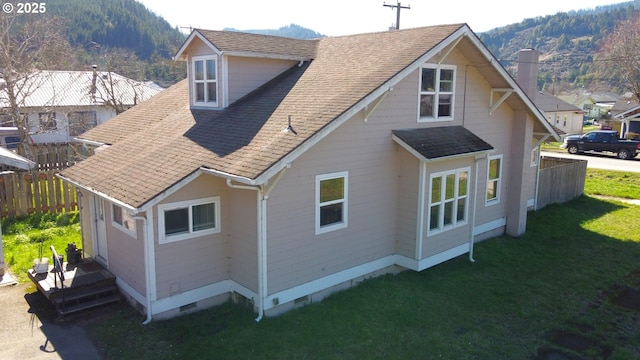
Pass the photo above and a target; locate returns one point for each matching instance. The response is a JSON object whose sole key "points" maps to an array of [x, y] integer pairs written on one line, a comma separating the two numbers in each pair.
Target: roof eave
{"points": [[180, 54], [98, 193], [537, 113]]}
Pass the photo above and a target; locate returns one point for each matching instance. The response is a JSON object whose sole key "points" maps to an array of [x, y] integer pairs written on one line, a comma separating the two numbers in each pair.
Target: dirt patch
{"points": [[626, 297], [615, 312], [579, 344]]}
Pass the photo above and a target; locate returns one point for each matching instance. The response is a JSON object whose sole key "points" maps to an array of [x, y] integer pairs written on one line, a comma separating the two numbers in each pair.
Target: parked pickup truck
{"points": [[602, 141]]}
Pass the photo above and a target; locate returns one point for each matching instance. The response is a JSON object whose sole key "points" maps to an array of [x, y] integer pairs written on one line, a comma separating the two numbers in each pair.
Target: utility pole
{"points": [[398, 7]]}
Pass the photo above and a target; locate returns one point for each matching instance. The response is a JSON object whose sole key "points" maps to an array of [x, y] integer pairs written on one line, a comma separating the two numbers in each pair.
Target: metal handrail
{"points": [[59, 271]]}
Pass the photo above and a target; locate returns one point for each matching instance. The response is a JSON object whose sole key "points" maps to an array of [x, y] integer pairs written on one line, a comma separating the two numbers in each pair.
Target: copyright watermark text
{"points": [[24, 8]]}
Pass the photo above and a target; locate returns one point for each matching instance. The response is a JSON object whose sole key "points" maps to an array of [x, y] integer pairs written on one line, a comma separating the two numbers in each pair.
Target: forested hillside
{"points": [[117, 24], [292, 31], [567, 43], [128, 38], [121, 36]]}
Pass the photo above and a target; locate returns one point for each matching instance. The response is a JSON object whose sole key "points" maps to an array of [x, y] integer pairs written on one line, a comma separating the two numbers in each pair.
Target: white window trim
{"points": [[345, 201], [204, 58], [130, 232], [496, 200], [436, 92], [455, 223], [535, 156], [165, 239]]}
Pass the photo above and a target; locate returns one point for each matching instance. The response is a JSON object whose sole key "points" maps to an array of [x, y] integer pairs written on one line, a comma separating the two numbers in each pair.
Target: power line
{"points": [[398, 7]]}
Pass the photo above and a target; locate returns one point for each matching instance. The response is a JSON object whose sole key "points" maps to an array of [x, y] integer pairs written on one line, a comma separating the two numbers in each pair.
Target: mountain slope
{"points": [[566, 42]]}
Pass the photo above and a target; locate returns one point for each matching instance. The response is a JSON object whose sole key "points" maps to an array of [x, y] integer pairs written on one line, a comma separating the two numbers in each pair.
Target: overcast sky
{"points": [[344, 17]]}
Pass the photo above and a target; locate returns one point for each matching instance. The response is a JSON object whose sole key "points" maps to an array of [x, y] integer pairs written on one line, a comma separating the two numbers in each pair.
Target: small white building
{"points": [[61, 105], [564, 116]]}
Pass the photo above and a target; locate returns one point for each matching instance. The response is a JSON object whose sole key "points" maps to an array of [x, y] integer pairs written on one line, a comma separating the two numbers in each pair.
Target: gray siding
{"points": [[196, 262], [383, 186], [247, 74], [126, 253], [243, 237], [407, 202], [87, 219]]}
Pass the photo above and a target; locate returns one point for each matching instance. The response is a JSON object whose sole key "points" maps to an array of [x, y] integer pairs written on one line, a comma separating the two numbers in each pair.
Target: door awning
{"points": [[440, 143]]}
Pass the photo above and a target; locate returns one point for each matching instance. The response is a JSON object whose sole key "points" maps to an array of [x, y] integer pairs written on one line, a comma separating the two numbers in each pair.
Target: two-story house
{"points": [[60, 105], [281, 170]]}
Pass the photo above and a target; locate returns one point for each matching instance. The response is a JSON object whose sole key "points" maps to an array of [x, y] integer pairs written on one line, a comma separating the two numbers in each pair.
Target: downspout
{"points": [[259, 200], [539, 164], [473, 213], [147, 274], [262, 197]]}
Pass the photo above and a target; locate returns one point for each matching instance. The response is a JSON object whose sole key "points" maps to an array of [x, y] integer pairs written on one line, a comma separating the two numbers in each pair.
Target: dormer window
{"points": [[205, 81], [437, 89]]}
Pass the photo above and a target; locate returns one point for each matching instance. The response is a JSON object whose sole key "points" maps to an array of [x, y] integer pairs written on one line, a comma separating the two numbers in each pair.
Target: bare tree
{"points": [[28, 45], [618, 60], [118, 87]]}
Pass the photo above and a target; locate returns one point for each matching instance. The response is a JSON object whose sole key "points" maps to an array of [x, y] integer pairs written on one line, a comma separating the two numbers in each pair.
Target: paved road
{"points": [[28, 329], [599, 161]]}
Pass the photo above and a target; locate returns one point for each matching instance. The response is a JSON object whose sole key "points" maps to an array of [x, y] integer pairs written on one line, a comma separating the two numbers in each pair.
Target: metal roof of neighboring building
{"points": [[79, 88]]}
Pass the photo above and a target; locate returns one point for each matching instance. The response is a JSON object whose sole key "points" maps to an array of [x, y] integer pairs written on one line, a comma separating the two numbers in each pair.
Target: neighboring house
{"points": [[628, 113], [596, 106], [63, 104], [564, 116], [281, 170]]}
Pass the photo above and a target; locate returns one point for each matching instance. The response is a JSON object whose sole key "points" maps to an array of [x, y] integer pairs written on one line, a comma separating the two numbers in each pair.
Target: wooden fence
{"points": [[55, 155], [24, 192], [40, 190], [560, 180]]}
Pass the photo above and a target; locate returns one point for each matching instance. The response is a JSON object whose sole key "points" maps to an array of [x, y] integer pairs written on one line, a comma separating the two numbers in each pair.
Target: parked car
{"points": [[604, 141]]}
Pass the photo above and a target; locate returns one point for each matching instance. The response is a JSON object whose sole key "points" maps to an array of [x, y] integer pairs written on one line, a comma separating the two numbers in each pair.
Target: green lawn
{"points": [[567, 275], [24, 239]]}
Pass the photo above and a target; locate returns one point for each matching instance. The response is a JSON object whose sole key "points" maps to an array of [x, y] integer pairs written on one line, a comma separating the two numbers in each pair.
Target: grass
{"points": [[24, 237], [560, 277], [502, 306], [508, 304], [612, 183]]}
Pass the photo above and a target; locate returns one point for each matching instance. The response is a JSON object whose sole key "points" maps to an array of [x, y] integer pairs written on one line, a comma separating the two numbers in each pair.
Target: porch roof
{"points": [[440, 143]]}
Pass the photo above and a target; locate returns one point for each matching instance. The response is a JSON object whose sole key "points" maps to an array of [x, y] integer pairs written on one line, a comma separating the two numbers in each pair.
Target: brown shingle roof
{"points": [[160, 142], [232, 41]]}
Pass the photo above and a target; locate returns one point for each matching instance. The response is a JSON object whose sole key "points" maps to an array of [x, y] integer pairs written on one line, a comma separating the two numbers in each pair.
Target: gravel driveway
{"points": [[29, 330]]}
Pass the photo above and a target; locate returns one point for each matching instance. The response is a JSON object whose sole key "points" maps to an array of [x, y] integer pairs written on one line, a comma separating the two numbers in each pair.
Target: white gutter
{"points": [[261, 236], [100, 194], [539, 163], [473, 213], [89, 142], [262, 197], [147, 273]]}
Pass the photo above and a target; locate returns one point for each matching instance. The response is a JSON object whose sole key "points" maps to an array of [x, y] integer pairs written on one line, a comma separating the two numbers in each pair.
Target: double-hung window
{"points": [[122, 219], [205, 81], [331, 201], [437, 86], [494, 179], [186, 219], [448, 199]]}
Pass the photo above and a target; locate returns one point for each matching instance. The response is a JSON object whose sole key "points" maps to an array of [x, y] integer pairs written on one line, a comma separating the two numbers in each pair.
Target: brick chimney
{"points": [[528, 62]]}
